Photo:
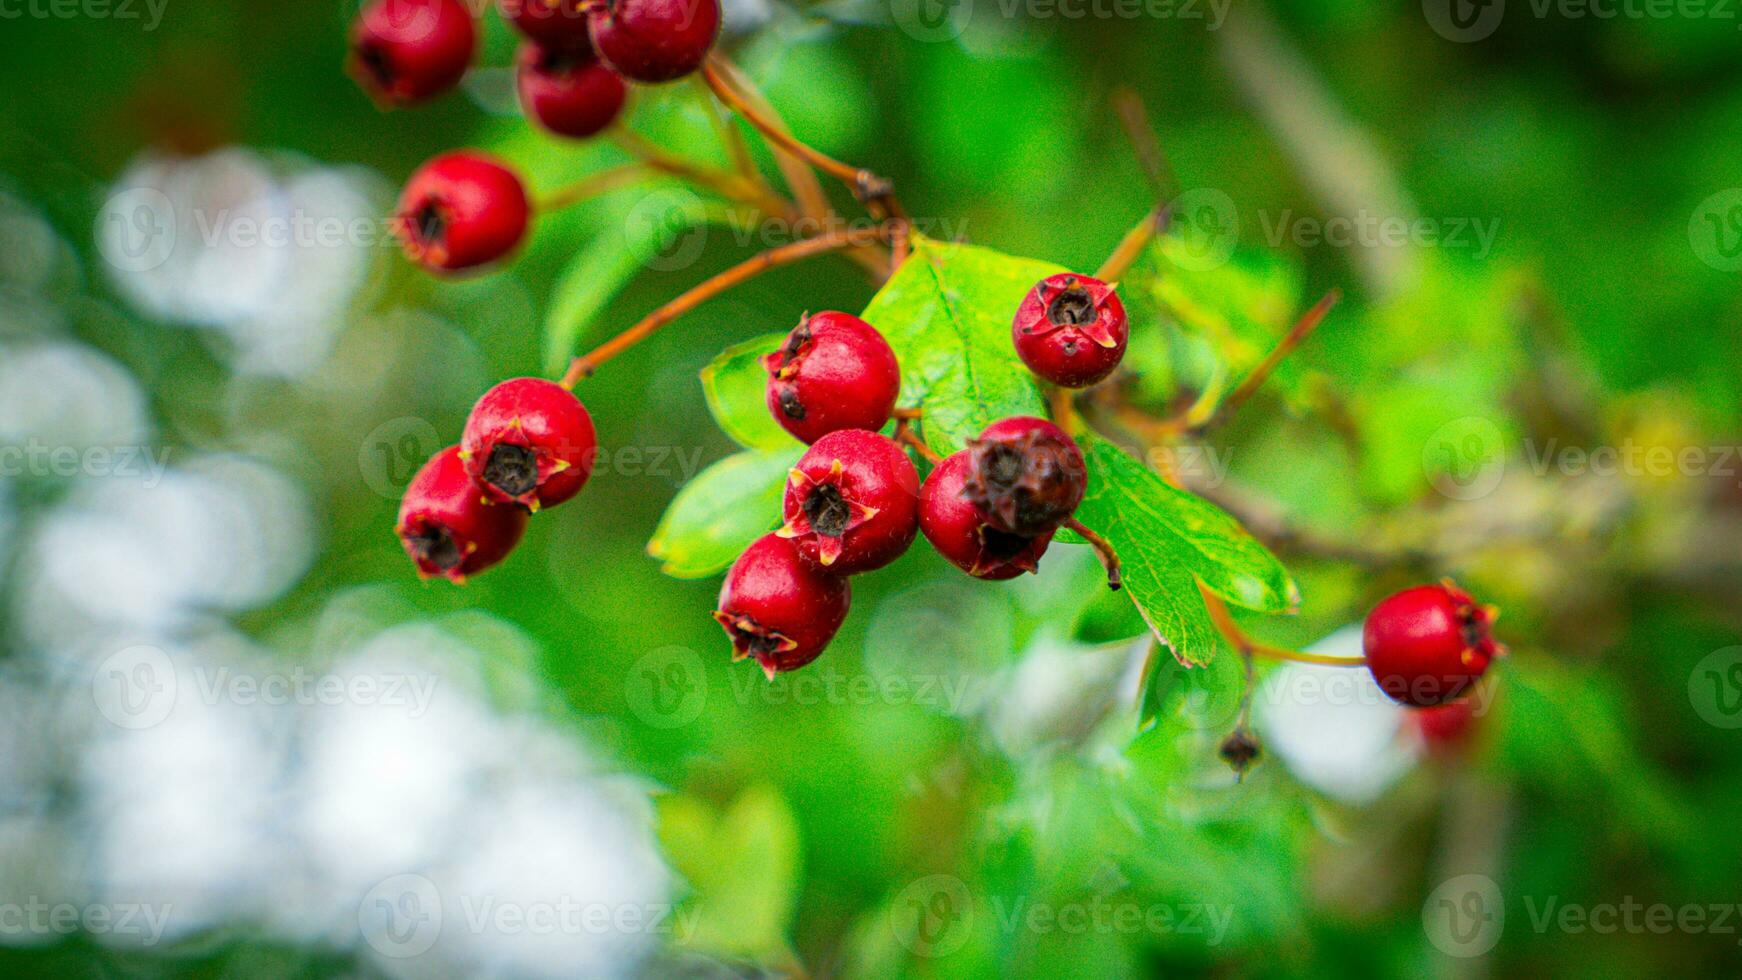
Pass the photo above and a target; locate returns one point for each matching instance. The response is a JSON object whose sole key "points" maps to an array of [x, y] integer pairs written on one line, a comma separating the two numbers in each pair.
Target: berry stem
{"points": [[1132, 245], [1109, 557], [1302, 328], [1246, 646], [732, 139], [799, 176], [908, 414], [593, 185], [1146, 144], [905, 435], [728, 185], [871, 190], [584, 366]]}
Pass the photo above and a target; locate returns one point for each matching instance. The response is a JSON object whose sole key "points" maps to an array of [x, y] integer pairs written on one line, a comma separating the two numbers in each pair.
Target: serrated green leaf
{"points": [[947, 314], [735, 385], [719, 513], [1169, 540]]}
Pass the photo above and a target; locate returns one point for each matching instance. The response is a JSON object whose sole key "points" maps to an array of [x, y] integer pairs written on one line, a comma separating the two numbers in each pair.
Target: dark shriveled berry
{"points": [[407, 51], [1027, 476], [834, 372], [778, 609], [567, 91], [852, 502], [1071, 330], [960, 532], [1428, 645], [654, 40], [461, 210], [529, 441], [446, 525]]}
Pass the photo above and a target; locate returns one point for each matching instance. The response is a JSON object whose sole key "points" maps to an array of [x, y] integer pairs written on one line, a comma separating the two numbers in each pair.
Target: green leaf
{"points": [[947, 313], [743, 866], [735, 384], [719, 513], [1169, 540]]}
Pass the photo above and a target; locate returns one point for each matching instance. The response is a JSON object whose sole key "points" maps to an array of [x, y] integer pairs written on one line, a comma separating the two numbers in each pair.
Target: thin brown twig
{"points": [[585, 365], [799, 176], [1245, 645], [1145, 143], [732, 139], [1302, 329], [1133, 244], [871, 190], [1103, 550], [904, 434], [726, 184]]}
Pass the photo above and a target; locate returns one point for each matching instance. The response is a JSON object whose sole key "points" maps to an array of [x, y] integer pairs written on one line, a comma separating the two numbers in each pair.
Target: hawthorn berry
{"points": [[447, 526], [1027, 476], [1427, 645], [550, 23], [654, 40], [961, 532], [852, 502], [529, 441], [406, 51], [461, 210], [835, 371], [1071, 330], [779, 609], [567, 90]]}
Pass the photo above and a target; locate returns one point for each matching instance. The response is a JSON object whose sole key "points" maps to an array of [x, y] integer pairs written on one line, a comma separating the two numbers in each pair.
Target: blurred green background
{"points": [[961, 787]]}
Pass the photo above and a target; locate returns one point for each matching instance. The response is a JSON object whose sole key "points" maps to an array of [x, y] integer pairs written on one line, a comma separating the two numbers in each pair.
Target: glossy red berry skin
{"points": [[407, 51], [778, 608], [852, 502], [655, 40], [568, 92], [960, 532], [461, 210], [446, 525], [1027, 476], [834, 372], [530, 442], [558, 24], [1071, 330], [1427, 645]]}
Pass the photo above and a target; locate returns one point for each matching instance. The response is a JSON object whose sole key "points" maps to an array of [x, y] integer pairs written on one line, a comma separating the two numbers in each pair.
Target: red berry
{"points": [[1427, 645], [834, 372], [1027, 476], [960, 532], [778, 609], [406, 51], [447, 526], [1446, 729], [461, 210], [529, 441], [567, 91], [551, 23], [655, 40], [852, 502], [1071, 330]]}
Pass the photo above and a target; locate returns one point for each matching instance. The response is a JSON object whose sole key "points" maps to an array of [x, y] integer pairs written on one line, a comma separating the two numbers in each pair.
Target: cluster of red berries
{"points": [[855, 502], [465, 209], [528, 444], [1428, 646]]}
